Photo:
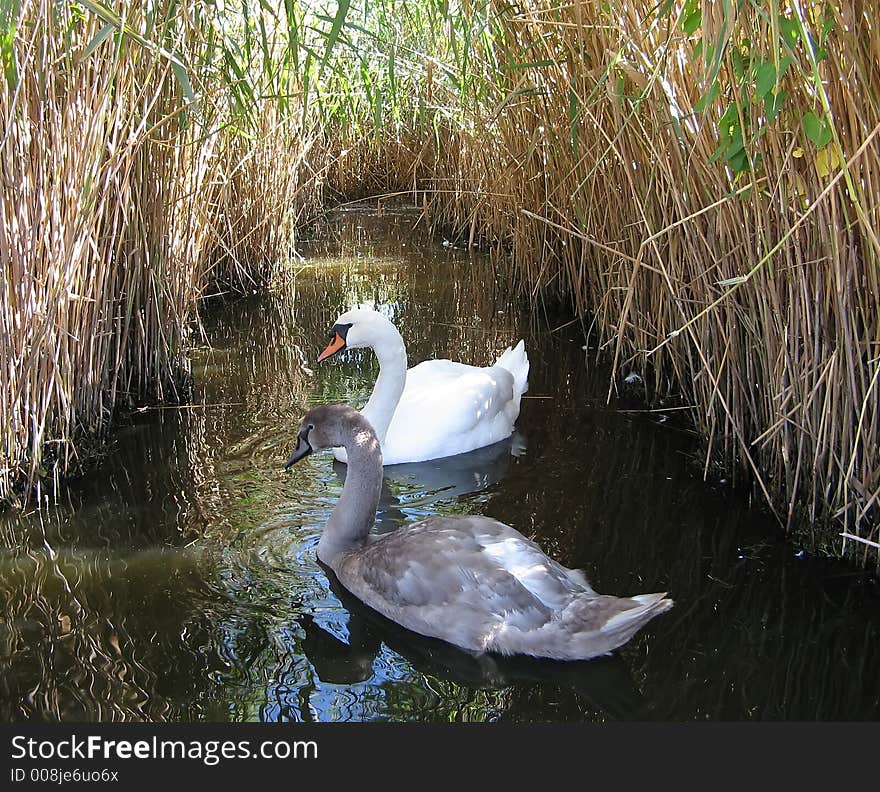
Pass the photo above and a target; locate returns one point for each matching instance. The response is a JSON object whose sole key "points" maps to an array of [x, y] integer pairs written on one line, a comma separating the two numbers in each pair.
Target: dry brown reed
{"points": [[752, 294], [124, 196], [370, 165]]}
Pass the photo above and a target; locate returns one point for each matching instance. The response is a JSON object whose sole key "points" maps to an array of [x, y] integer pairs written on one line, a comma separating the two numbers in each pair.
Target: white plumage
{"points": [[438, 408]]}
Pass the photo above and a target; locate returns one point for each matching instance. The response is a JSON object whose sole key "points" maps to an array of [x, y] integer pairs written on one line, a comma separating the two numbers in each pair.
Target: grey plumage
{"points": [[472, 581]]}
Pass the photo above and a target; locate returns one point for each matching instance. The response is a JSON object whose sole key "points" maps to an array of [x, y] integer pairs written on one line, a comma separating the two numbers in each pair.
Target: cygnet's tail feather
{"points": [[516, 361], [580, 631], [650, 605]]}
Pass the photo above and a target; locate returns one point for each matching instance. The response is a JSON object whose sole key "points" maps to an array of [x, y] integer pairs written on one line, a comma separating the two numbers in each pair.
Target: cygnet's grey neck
{"points": [[391, 354], [355, 513]]}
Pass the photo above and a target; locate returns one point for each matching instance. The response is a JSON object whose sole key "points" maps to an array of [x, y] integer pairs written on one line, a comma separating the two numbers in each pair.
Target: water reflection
{"points": [[177, 580], [79, 638], [415, 490]]}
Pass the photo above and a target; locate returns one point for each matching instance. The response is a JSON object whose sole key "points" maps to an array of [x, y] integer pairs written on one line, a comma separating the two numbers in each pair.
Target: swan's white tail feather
{"points": [[516, 361]]}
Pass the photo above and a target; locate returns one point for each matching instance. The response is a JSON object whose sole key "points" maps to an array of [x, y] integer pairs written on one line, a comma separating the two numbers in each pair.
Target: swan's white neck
{"points": [[391, 353], [354, 514]]}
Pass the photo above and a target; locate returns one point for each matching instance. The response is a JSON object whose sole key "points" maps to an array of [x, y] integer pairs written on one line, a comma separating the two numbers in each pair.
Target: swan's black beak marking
{"points": [[338, 334], [302, 450]]}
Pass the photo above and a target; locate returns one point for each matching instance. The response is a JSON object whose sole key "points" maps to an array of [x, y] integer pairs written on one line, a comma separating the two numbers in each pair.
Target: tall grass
{"points": [[145, 156], [702, 181]]}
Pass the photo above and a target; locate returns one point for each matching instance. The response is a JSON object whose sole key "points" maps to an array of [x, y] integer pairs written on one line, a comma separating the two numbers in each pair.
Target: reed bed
{"points": [[701, 180], [136, 174]]}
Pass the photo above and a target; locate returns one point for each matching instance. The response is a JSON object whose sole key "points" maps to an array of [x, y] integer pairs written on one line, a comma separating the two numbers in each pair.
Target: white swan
{"points": [[469, 580], [435, 409]]}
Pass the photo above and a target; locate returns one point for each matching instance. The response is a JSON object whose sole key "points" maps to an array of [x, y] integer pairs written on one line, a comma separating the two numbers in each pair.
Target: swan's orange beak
{"points": [[333, 347]]}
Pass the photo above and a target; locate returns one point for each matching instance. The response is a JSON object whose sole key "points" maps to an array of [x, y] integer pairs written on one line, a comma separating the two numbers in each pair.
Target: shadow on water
{"points": [[177, 579]]}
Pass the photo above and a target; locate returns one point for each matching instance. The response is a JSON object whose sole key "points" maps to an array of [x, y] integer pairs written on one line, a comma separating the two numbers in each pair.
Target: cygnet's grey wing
{"points": [[462, 579]]}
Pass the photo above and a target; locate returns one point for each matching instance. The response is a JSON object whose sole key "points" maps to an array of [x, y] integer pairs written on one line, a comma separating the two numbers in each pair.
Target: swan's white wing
{"points": [[448, 408]]}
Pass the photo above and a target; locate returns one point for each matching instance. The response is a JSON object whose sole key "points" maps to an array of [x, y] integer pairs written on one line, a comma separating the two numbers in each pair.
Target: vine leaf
{"points": [[818, 130]]}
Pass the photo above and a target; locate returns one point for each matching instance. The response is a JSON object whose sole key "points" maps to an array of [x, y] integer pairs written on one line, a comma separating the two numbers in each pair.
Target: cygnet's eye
{"points": [[310, 427]]}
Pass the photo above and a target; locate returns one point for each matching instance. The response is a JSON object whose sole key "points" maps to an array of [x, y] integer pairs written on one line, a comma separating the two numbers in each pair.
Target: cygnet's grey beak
{"points": [[302, 450]]}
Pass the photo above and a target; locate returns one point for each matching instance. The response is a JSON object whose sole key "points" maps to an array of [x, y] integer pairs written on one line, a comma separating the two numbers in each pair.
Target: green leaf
{"points": [[791, 30], [784, 63], [739, 162], [336, 29], [817, 130], [737, 144], [99, 38], [573, 116], [773, 104], [720, 151], [692, 23], [707, 98], [731, 114], [183, 79], [10, 66], [8, 20], [826, 26], [728, 122], [709, 54], [692, 17], [740, 62], [9, 17], [765, 79]]}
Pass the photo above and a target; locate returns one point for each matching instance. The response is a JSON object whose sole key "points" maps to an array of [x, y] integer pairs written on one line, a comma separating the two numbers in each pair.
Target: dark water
{"points": [[177, 580]]}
